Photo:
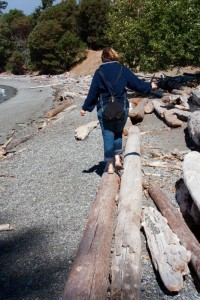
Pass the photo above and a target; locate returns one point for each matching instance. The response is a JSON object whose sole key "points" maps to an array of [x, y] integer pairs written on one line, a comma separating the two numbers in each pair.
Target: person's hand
{"points": [[82, 112], [154, 86]]}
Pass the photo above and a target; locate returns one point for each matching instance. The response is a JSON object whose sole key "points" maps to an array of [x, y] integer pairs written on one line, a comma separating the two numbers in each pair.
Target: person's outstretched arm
{"points": [[137, 84]]}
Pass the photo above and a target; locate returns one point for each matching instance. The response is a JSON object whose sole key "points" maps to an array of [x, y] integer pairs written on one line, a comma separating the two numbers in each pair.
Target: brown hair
{"points": [[109, 54]]}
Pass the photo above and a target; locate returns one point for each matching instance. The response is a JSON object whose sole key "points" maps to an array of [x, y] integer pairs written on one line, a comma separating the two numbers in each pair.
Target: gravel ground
{"points": [[46, 195]]}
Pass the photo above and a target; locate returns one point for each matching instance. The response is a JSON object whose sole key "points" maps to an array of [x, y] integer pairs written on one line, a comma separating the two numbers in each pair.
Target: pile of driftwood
{"points": [[173, 108], [171, 243]]}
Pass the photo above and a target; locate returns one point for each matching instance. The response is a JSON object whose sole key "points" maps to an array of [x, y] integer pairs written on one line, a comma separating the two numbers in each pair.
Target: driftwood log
{"points": [[177, 224], [16, 142], [137, 114], [149, 108], [160, 107], [167, 115], [89, 276], [126, 264], [12, 143], [170, 258], [64, 95], [57, 110], [5, 227], [194, 127], [191, 175], [84, 130]]}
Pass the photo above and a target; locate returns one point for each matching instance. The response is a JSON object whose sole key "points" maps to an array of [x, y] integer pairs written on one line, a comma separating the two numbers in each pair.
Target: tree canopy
{"points": [[149, 34], [155, 34]]}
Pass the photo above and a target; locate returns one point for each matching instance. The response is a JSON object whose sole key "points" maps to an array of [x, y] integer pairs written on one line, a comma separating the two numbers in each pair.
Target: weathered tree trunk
{"points": [[191, 175], [5, 227], [16, 142], [55, 111], [177, 224], [172, 120], [88, 278], [137, 114], [84, 130], [194, 127], [126, 264], [170, 258], [161, 109]]}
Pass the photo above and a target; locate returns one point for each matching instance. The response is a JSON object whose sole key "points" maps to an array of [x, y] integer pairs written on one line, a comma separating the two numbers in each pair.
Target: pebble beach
{"points": [[49, 185]]}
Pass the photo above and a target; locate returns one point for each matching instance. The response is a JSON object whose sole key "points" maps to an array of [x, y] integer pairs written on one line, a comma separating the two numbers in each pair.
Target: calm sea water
{"points": [[7, 92]]}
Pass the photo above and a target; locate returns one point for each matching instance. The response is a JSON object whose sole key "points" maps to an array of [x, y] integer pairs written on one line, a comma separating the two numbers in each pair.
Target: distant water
{"points": [[7, 92]]}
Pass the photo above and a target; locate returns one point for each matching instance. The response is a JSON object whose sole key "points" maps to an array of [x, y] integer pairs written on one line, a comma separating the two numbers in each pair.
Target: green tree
{"points": [[53, 38], [164, 34], [45, 4], [93, 21], [15, 28], [6, 45], [70, 49], [16, 63]]}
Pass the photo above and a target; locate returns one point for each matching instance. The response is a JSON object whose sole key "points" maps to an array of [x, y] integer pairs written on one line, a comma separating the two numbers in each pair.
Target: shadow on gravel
{"points": [[99, 169], [189, 142], [28, 268]]}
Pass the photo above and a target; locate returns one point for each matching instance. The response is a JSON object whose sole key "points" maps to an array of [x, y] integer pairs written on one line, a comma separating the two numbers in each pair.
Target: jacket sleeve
{"points": [[93, 94], [135, 83]]}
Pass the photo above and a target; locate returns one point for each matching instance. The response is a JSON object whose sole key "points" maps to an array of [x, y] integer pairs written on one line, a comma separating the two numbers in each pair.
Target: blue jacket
{"points": [[111, 71]]}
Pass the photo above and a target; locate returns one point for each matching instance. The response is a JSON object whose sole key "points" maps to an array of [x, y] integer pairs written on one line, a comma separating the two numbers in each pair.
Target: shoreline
{"points": [[26, 105], [8, 92]]}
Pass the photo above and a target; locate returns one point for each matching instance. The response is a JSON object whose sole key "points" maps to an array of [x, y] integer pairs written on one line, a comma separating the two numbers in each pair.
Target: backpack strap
{"points": [[108, 83], [110, 88]]}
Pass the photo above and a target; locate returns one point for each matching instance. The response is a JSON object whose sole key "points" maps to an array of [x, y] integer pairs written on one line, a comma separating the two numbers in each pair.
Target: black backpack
{"points": [[113, 110]]}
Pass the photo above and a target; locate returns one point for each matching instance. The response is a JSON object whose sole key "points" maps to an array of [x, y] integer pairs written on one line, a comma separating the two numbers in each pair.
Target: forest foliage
{"points": [[149, 34]]}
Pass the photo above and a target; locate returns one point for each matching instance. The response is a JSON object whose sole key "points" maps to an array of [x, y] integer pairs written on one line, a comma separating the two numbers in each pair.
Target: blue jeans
{"points": [[112, 135]]}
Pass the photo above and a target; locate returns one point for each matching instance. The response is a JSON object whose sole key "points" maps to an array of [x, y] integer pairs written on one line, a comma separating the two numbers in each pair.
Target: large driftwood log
{"points": [[89, 276], [191, 175], [181, 100], [5, 227], [170, 258], [137, 114], [171, 119], [194, 127], [160, 108], [55, 111], [177, 224], [168, 116], [84, 130], [126, 264]]}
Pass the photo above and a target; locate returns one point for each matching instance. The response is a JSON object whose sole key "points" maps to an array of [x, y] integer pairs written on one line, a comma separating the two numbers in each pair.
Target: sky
{"points": [[27, 6]]}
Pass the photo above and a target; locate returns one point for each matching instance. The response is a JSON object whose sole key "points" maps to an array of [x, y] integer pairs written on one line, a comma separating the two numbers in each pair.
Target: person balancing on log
{"points": [[108, 93]]}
